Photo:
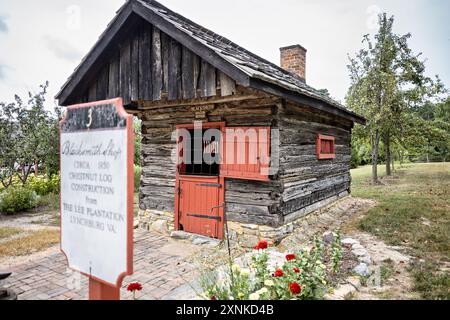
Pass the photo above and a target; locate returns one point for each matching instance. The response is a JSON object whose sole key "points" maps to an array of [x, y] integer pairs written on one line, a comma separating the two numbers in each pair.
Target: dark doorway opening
{"points": [[207, 148]]}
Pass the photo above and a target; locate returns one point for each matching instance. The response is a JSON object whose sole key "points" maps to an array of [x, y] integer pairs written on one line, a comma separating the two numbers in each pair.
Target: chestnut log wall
{"points": [[302, 181], [305, 180], [247, 201]]}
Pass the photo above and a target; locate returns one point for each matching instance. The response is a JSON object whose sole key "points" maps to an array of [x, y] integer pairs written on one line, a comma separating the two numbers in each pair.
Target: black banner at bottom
{"points": [[223, 310]]}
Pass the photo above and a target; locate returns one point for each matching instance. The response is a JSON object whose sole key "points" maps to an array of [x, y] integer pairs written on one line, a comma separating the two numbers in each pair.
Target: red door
{"points": [[200, 189], [197, 198]]}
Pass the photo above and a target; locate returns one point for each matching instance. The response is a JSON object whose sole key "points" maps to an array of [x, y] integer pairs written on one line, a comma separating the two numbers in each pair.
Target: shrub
{"points": [[14, 182], [336, 252], [137, 177], [49, 202], [17, 199], [38, 184], [55, 183], [43, 185]]}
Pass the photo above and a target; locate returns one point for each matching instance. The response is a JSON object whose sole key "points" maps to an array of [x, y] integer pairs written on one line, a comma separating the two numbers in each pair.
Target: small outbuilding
{"points": [[290, 144]]}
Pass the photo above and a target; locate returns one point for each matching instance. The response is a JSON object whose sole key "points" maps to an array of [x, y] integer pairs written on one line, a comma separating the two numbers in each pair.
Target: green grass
{"points": [[387, 270], [430, 282], [413, 211]]}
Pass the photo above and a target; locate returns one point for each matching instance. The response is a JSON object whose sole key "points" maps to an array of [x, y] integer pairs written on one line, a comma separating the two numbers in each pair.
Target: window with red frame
{"points": [[325, 147]]}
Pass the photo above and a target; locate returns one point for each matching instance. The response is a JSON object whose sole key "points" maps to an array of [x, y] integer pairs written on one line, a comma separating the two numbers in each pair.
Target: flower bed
{"points": [[305, 274]]}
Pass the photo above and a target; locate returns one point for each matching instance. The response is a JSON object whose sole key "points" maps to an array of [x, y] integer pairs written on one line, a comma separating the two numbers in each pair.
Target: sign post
{"points": [[96, 150]]}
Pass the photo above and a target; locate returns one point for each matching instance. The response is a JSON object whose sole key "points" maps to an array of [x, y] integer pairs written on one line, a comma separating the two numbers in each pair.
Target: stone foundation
{"points": [[155, 220], [247, 235]]}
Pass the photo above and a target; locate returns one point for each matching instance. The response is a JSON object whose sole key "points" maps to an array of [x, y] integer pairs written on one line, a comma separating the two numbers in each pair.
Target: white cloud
{"points": [[2, 72], [62, 49], [3, 25]]}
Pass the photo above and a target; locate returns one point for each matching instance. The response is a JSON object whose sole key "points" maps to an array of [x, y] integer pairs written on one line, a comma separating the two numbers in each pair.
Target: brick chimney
{"points": [[293, 59]]}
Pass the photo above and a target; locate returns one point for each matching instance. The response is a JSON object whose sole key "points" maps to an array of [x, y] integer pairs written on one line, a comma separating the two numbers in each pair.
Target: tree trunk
{"points": [[375, 140], [393, 169], [387, 148]]}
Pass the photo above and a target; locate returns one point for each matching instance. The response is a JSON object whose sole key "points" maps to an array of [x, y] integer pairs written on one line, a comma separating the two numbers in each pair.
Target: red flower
{"points": [[290, 257], [135, 286], [297, 270], [261, 245], [278, 273], [295, 288], [213, 298]]}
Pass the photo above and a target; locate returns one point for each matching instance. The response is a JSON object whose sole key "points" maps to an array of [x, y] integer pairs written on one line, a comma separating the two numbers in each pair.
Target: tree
{"points": [[324, 92], [28, 137], [51, 159], [8, 140], [427, 130], [386, 80]]}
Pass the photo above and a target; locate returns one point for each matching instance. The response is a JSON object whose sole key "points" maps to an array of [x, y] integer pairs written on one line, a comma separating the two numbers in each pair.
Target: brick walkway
{"points": [[155, 267]]}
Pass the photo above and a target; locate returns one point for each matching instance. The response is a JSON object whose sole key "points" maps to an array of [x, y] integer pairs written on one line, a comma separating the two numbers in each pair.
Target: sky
{"points": [[46, 39]]}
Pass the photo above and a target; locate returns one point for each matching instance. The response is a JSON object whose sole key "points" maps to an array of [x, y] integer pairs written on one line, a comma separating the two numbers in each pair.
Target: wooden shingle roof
{"points": [[240, 64]]}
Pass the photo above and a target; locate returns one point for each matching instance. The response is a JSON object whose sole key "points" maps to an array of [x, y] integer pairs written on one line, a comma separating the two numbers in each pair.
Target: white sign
{"points": [[96, 213]]}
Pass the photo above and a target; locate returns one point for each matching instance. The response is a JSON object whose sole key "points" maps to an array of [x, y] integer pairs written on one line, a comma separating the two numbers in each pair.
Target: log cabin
{"points": [[178, 76]]}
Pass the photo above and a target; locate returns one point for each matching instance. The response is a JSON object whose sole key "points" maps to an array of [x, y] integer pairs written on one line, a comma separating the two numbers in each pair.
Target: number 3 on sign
{"points": [[90, 118]]}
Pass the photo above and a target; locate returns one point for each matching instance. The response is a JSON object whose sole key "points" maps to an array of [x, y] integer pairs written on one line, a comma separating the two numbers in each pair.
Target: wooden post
{"points": [[101, 291]]}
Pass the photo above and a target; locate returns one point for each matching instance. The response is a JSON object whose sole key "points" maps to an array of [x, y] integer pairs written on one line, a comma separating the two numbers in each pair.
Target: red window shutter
{"points": [[325, 146], [246, 153]]}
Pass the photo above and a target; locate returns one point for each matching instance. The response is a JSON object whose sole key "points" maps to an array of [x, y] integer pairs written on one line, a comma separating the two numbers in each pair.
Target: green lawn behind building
{"points": [[413, 211]]}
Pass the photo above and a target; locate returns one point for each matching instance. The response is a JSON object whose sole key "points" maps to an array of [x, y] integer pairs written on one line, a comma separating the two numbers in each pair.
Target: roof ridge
{"points": [[230, 42]]}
